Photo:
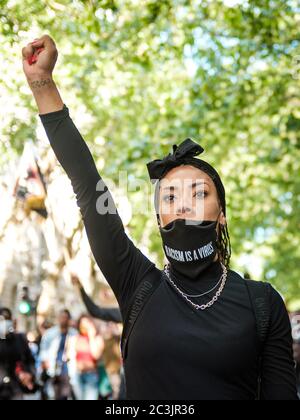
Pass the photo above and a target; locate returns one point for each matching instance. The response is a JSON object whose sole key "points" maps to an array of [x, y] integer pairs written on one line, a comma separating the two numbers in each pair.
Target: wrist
{"points": [[46, 93], [40, 81]]}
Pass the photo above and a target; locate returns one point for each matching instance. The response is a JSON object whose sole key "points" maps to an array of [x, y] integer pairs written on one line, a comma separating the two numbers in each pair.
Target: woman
{"points": [[85, 351], [196, 337]]}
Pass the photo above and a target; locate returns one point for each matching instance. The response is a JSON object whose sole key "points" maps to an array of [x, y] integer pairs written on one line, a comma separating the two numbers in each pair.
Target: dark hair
{"points": [[66, 312], [46, 325], [223, 241], [83, 316], [224, 245], [6, 313]]}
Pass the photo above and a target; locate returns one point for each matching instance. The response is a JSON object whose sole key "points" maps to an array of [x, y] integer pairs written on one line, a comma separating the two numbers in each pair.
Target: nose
{"points": [[184, 205], [183, 210]]}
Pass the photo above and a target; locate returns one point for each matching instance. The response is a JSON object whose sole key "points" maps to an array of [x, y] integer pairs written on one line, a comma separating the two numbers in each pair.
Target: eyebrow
{"points": [[197, 183], [194, 185]]}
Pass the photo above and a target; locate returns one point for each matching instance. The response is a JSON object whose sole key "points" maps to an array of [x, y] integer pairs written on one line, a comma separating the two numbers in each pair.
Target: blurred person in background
{"points": [[17, 365], [33, 343], [42, 328], [112, 346], [53, 356], [295, 319], [33, 339], [113, 361], [42, 374], [112, 314], [84, 353]]}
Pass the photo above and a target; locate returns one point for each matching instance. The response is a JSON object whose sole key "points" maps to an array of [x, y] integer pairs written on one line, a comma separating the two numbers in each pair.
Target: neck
{"points": [[206, 279], [64, 330]]}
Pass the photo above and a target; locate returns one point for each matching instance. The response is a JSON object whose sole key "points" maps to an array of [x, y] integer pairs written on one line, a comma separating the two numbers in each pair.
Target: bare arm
{"points": [[39, 74], [121, 262]]}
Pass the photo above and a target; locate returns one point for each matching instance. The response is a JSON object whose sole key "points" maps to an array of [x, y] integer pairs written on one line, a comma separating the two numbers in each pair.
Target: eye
{"points": [[169, 198], [201, 194]]}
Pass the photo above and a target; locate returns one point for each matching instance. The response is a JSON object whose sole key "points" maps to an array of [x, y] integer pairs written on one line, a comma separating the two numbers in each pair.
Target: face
{"points": [[6, 324], [86, 325], [188, 193], [6, 315], [64, 320]]}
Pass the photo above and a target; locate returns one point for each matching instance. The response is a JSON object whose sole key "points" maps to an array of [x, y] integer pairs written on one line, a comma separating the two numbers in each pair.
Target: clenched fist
{"points": [[39, 58]]}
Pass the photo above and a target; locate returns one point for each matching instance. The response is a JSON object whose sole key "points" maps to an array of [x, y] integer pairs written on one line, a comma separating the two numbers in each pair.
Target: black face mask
{"points": [[190, 246]]}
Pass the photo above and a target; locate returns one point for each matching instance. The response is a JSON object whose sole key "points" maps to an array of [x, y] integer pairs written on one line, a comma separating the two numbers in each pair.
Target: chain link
{"points": [[212, 301]]}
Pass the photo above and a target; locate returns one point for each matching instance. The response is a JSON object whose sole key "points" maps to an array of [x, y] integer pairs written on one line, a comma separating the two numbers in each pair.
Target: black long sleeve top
{"points": [[175, 352]]}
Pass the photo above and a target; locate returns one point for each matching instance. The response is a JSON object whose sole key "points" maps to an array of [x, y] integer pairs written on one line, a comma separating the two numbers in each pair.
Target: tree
{"points": [[148, 74]]}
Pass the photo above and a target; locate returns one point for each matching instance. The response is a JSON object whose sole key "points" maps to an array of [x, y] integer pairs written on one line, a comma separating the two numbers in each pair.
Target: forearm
{"points": [[105, 314], [46, 94], [123, 265]]}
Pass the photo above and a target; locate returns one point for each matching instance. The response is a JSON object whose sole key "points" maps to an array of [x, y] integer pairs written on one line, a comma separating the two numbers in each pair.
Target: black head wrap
{"points": [[184, 154]]}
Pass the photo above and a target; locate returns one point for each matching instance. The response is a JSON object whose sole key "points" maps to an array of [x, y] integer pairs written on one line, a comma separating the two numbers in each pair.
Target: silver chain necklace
{"points": [[167, 271], [212, 301]]}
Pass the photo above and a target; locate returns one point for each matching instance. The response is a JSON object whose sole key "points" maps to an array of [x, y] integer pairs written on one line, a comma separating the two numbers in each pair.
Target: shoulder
{"points": [[259, 290], [267, 298], [255, 285], [21, 338], [264, 290], [235, 277], [51, 333], [279, 312], [275, 299], [73, 339], [73, 332]]}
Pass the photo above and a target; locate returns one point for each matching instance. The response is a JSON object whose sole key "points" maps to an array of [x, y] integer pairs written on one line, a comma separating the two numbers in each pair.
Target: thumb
{"points": [[27, 52]]}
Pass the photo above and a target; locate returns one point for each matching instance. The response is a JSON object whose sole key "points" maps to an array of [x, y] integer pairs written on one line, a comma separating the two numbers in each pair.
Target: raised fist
{"points": [[39, 58]]}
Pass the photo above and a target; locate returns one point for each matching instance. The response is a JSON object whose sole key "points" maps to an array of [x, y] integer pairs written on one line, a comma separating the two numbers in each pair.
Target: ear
{"points": [[158, 220], [222, 219]]}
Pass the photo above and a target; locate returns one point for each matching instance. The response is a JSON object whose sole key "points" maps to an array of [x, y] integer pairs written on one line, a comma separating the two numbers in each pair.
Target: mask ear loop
{"points": [[158, 220], [156, 202]]}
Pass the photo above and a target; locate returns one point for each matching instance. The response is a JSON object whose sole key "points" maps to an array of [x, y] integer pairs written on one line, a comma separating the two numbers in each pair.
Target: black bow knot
{"points": [[188, 149]]}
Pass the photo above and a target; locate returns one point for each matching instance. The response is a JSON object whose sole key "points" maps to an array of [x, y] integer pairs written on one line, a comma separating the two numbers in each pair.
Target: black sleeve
{"points": [[122, 264], [105, 314], [278, 369], [27, 358]]}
